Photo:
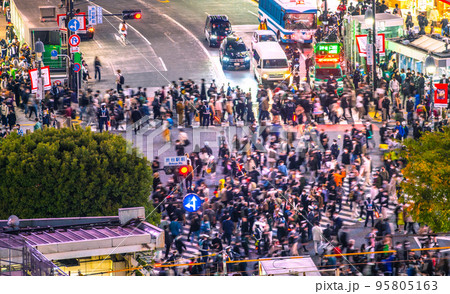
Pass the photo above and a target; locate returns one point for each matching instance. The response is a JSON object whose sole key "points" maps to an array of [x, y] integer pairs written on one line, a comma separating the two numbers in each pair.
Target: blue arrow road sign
{"points": [[54, 53], [74, 25], [192, 202]]}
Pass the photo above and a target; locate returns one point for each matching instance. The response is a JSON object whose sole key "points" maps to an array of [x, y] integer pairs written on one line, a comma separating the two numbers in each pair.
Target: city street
{"points": [[266, 165]]}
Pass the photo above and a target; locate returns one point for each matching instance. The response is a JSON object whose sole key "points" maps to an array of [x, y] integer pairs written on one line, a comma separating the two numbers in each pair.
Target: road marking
{"points": [[98, 44], [206, 13], [168, 37], [120, 40], [255, 14], [163, 64], [130, 26], [245, 28], [112, 67], [163, 1], [219, 71]]}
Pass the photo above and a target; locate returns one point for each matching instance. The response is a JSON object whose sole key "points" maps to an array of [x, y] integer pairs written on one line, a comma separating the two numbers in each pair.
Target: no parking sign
{"points": [[76, 67]]}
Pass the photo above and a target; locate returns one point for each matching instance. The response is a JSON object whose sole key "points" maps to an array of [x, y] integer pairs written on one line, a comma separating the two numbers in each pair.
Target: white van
{"points": [[260, 36], [269, 63]]}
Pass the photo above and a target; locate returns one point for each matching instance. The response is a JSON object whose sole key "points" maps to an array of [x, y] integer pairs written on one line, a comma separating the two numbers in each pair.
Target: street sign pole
{"points": [[69, 15]]}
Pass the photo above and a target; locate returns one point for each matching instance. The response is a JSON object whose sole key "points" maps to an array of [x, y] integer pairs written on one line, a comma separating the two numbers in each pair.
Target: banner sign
{"points": [[361, 41], [441, 95], [92, 15], [45, 73]]}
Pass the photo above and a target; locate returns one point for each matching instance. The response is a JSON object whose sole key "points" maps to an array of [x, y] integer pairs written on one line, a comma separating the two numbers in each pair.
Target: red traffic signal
{"points": [[183, 171], [132, 14]]}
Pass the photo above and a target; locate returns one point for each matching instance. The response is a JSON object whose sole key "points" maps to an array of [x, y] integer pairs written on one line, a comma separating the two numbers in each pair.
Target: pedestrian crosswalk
{"points": [[346, 214]]}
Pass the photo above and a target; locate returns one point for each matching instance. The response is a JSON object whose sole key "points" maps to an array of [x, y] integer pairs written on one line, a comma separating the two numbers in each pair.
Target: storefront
{"points": [[435, 9], [389, 25], [411, 55]]}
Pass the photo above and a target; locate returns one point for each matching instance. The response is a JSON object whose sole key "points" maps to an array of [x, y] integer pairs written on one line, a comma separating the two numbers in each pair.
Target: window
{"points": [[236, 47], [267, 38], [256, 55], [275, 63], [300, 21], [47, 37], [325, 73]]}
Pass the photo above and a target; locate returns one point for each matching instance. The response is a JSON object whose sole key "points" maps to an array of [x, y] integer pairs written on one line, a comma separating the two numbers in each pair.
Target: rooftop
{"points": [[382, 19], [63, 238], [30, 13]]}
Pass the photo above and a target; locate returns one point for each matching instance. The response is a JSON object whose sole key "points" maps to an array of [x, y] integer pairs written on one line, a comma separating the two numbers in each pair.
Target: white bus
{"points": [[291, 20]]}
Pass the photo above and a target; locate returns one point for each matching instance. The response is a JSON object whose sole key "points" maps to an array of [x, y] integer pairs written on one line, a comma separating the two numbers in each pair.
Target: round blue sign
{"points": [[74, 25], [54, 53], [76, 67], [192, 202]]}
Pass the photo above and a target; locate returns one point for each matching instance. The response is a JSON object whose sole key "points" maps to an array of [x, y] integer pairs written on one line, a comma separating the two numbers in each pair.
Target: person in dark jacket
{"points": [[135, 117], [227, 227], [11, 119], [167, 240]]}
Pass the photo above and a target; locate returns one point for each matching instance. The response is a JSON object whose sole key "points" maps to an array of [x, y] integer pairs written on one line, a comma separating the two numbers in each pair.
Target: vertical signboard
{"points": [[92, 15], [99, 15]]}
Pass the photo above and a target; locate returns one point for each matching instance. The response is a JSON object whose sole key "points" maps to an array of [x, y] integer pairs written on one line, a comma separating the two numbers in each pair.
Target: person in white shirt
{"points": [[360, 105], [317, 236], [123, 29]]}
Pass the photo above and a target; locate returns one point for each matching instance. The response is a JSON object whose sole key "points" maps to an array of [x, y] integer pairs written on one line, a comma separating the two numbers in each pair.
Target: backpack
{"points": [[121, 80], [120, 115]]}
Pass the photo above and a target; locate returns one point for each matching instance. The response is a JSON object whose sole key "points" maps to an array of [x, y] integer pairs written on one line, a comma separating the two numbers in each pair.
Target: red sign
{"points": [[81, 17], [45, 74], [441, 95], [361, 41], [74, 40]]}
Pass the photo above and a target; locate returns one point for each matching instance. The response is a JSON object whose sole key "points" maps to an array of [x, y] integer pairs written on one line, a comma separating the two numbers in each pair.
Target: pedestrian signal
{"points": [[132, 14]]}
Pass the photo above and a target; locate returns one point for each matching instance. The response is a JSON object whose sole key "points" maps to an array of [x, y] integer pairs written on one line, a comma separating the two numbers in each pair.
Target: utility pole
{"points": [[374, 42], [71, 76]]}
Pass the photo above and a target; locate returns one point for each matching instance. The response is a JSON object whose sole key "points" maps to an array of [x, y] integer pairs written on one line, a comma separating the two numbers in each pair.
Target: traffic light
{"points": [[132, 14], [183, 171]]}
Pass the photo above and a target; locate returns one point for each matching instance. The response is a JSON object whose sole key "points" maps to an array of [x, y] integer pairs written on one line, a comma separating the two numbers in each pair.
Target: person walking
{"points": [[11, 119], [97, 67], [120, 80], [317, 236]]}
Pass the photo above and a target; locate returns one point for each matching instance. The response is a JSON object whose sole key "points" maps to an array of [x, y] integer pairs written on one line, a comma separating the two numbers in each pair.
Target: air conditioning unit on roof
{"points": [[48, 13]]}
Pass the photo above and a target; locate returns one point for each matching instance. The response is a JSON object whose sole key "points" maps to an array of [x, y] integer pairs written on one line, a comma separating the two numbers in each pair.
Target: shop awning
{"points": [[383, 20], [446, 1], [429, 44], [405, 50]]}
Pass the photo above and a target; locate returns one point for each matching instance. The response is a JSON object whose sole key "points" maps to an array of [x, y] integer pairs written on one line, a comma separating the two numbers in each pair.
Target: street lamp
{"points": [[369, 20], [368, 17], [430, 67]]}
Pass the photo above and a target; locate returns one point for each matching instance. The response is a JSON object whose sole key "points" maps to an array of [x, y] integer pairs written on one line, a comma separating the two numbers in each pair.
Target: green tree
{"points": [[428, 179], [70, 173]]}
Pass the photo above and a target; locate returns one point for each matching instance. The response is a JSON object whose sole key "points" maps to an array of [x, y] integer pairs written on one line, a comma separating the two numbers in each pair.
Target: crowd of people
{"points": [[274, 195], [270, 197]]}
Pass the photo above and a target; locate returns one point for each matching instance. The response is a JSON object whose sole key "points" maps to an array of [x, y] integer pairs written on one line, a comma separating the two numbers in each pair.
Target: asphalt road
{"points": [[167, 43]]}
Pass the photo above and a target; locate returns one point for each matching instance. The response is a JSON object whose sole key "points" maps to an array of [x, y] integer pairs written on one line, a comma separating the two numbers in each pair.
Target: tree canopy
{"points": [[428, 179], [71, 173]]}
